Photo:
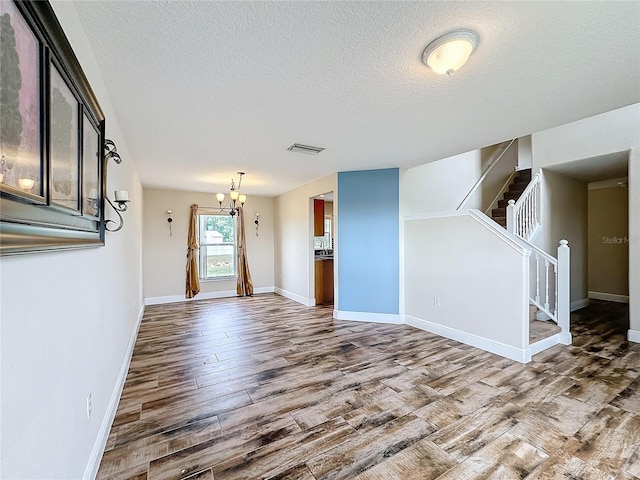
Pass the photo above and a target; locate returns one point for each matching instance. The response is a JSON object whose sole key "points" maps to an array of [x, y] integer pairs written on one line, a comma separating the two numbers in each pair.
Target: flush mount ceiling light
{"points": [[449, 52]]}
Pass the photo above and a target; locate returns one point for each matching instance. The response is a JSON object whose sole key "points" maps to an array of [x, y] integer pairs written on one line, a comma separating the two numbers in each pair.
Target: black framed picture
{"points": [[21, 113], [52, 173]]}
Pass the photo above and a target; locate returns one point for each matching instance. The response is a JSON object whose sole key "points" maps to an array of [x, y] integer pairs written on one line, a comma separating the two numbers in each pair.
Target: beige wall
{"points": [[164, 256], [608, 240], [294, 266]]}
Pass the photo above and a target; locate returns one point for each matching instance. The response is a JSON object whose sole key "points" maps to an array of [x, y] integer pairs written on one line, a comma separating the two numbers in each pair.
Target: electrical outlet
{"points": [[436, 301], [89, 405]]}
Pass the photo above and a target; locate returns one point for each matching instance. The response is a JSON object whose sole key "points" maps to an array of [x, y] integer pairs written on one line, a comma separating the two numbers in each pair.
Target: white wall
{"points": [[524, 152], [164, 257], [294, 239], [563, 215], [440, 186], [634, 244], [614, 131], [494, 181], [441, 261], [66, 320]]}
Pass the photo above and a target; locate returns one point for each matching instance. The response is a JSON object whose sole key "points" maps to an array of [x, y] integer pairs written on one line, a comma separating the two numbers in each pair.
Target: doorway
{"points": [[600, 254], [323, 242], [608, 240]]}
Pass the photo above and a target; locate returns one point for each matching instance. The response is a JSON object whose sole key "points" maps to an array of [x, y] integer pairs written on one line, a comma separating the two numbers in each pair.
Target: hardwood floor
{"points": [[262, 387]]}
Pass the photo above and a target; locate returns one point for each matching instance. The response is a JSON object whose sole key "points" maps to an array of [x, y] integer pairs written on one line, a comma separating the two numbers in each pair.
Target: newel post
{"points": [[511, 216], [564, 295]]}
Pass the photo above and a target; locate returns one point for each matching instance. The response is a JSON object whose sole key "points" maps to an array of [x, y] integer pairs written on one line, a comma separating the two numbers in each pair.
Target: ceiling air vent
{"points": [[308, 149]]}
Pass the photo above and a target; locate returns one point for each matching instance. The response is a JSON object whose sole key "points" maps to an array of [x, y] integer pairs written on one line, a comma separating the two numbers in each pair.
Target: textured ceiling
{"points": [[205, 89]]}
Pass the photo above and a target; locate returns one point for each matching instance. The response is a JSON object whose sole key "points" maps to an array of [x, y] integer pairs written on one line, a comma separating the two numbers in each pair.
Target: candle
{"points": [[26, 183], [122, 196]]}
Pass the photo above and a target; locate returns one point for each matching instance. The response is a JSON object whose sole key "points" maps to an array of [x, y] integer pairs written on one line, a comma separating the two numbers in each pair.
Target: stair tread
{"points": [[521, 179], [518, 186], [512, 194]]}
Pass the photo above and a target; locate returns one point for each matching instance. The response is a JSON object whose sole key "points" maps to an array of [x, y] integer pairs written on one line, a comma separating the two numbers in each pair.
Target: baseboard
{"points": [[578, 304], [543, 344], [522, 355], [633, 336], [93, 464], [202, 296], [609, 297], [308, 302], [367, 317], [565, 338]]}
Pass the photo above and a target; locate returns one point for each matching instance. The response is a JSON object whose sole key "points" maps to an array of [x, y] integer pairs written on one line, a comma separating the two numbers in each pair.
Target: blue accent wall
{"points": [[368, 241]]}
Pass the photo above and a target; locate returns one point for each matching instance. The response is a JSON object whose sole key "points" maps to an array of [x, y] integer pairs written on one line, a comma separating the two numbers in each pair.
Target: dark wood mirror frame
{"points": [[63, 207]]}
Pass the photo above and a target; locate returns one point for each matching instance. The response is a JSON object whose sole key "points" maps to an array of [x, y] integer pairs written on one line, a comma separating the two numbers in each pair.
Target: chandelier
{"points": [[235, 198]]}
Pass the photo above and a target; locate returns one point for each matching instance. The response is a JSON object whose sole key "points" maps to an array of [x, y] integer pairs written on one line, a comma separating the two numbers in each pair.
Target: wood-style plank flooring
{"points": [[264, 388]]}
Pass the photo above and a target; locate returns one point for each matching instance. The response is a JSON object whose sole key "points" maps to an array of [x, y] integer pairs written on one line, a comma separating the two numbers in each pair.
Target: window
{"points": [[217, 239], [324, 242]]}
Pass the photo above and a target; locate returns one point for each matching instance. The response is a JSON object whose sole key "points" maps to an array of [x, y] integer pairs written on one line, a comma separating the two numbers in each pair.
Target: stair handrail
{"points": [[484, 175], [523, 216], [553, 260], [500, 193]]}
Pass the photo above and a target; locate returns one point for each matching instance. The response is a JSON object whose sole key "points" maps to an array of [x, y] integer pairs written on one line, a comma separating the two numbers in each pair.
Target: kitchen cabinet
{"points": [[324, 281], [318, 217]]}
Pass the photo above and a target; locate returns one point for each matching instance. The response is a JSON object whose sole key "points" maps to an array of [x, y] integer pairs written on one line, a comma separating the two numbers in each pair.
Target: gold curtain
{"points": [[193, 281], [244, 285]]}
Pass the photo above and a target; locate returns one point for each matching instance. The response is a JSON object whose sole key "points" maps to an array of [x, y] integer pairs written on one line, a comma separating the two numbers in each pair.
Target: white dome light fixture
{"points": [[451, 51]]}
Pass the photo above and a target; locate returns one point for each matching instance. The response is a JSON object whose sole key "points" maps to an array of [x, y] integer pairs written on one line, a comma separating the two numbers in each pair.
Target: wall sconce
{"points": [[121, 196], [257, 222], [169, 219]]}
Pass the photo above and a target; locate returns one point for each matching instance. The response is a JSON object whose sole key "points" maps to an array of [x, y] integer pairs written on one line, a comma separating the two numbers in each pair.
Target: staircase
{"points": [[520, 181], [518, 212]]}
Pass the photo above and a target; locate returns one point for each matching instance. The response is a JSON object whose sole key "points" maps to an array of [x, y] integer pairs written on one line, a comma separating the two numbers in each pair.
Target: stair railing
{"points": [[550, 286], [523, 216], [503, 189], [550, 276], [484, 175]]}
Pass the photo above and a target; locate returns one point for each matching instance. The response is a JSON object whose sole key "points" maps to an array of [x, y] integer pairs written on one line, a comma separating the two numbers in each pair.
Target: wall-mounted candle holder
{"points": [[169, 220], [121, 196], [257, 222]]}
